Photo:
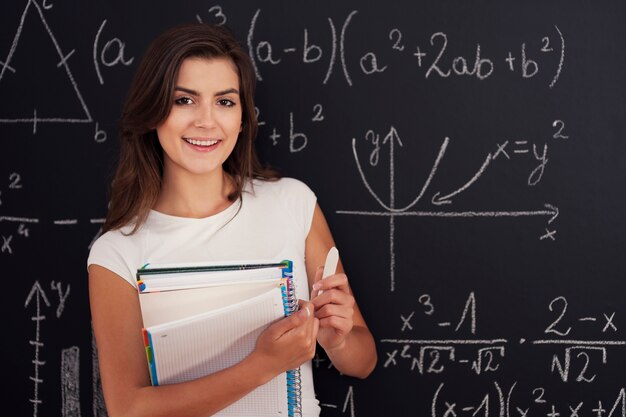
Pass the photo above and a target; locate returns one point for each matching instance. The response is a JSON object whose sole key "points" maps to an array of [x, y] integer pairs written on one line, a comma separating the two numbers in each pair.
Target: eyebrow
{"points": [[195, 93]]}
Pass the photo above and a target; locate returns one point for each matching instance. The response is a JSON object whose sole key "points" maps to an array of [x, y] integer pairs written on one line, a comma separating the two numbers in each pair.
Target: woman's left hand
{"points": [[334, 308]]}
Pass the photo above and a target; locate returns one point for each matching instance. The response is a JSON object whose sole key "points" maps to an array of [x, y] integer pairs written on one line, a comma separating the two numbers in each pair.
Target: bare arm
{"points": [[343, 333], [126, 384]]}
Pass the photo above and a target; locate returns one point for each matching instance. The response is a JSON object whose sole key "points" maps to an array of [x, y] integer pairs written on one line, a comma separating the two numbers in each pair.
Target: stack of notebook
{"points": [[200, 319]]}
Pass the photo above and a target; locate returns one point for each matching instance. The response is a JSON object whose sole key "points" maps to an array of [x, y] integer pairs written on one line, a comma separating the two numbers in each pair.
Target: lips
{"points": [[201, 142]]}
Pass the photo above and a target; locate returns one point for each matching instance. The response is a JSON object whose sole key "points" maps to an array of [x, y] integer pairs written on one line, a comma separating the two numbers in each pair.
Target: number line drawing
{"points": [[389, 210], [550, 211], [38, 293], [35, 119]]}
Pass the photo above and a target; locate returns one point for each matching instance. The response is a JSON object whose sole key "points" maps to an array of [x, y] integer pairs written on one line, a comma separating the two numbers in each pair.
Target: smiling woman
{"points": [[155, 93], [189, 188], [200, 131]]}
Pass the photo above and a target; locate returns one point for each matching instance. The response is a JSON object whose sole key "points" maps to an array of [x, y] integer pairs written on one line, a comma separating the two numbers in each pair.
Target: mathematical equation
{"points": [[537, 401], [434, 59], [576, 360], [15, 228], [296, 139]]}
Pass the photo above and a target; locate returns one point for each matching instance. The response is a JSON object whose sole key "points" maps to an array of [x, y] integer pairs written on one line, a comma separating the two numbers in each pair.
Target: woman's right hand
{"points": [[289, 342]]}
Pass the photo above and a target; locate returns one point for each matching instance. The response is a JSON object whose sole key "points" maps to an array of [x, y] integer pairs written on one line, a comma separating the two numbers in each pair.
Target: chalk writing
{"points": [[264, 52], [22, 231], [32, 4], [392, 139], [445, 81], [36, 119], [441, 66], [58, 286], [504, 404], [38, 294], [118, 50], [577, 362], [348, 407], [297, 140]]}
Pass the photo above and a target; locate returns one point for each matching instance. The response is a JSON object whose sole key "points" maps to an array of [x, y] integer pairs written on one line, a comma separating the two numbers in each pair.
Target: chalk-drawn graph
{"points": [[392, 139], [9, 68]]}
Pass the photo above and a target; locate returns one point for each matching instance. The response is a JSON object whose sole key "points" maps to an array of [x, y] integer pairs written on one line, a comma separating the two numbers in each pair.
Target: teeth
{"points": [[201, 142]]}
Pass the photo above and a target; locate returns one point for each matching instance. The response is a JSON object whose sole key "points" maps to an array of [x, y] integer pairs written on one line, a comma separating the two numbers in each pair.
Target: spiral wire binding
{"points": [[294, 381]]}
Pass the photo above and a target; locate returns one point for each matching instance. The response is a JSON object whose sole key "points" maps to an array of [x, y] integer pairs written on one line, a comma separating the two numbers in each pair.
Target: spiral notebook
{"points": [[200, 319]]}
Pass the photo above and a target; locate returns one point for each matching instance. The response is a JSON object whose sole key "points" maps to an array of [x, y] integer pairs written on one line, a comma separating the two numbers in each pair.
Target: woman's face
{"points": [[202, 127]]}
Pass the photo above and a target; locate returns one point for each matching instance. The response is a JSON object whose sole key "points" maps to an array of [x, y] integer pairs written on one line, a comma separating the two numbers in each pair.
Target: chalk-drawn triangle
{"points": [[40, 84]]}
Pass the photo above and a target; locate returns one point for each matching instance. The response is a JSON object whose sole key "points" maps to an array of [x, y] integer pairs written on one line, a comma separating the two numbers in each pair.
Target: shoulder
{"points": [[285, 188], [118, 251], [117, 237], [287, 197]]}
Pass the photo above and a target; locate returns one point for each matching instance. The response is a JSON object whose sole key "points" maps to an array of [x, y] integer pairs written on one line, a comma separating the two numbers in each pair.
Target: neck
{"points": [[194, 196]]}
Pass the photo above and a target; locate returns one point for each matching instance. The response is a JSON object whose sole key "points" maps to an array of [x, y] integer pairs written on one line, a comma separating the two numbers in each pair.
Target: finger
{"points": [[305, 312], [308, 330], [304, 306], [338, 281], [293, 321], [318, 277], [333, 296], [329, 310], [316, 327], [318, 273], [309, 326]]}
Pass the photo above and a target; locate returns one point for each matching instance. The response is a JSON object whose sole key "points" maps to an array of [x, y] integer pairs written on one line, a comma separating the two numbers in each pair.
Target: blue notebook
{"points": [[200, 319]]}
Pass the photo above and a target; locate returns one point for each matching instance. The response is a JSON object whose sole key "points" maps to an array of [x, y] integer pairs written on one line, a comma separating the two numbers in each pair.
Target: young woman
{"points": [[189, 188]]}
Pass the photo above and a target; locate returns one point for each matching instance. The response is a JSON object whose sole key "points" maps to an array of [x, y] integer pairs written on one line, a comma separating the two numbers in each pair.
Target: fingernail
{"points": [[317, 286], [305, 311]]}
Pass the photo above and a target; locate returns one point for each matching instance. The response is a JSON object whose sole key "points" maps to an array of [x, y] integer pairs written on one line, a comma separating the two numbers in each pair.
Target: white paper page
{"points": [[166, 306], [188, 349]]}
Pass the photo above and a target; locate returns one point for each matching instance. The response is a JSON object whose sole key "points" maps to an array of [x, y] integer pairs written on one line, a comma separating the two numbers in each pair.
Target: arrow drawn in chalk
{"points": [[555, 212], [437, 200], [39, 295], [391, 138]]}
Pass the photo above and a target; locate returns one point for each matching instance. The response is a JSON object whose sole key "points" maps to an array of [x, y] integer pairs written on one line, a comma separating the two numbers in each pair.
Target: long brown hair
{"points": [[137, 181]]}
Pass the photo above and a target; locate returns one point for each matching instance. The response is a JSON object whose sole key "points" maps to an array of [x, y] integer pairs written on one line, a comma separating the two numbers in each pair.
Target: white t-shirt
{"points": [[271, 221]]}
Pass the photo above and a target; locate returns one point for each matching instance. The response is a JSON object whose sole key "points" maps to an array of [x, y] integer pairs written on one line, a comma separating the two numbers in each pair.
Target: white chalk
{"points": [[330, 266]]}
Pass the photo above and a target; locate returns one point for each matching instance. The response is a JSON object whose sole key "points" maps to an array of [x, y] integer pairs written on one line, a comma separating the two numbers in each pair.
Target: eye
{"points": [[226, 102], [183, 100]]}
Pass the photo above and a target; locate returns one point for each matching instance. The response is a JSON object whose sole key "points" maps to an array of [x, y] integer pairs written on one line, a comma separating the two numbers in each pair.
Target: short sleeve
{"points": [[300, 201], [113, 251]]}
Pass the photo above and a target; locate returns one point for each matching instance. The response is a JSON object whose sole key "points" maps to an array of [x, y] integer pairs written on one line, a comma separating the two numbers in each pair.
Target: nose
{"points": [[204, 116]]}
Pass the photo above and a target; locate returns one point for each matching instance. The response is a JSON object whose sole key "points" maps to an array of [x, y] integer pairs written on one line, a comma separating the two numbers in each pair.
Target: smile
{"points": [[200, 142]]}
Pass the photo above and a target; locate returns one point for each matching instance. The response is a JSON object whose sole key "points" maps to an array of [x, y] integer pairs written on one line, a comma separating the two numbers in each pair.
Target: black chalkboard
{"points": [[470, 157]]}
